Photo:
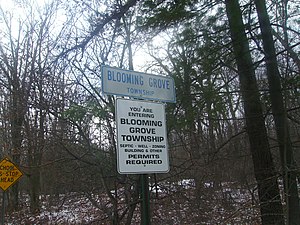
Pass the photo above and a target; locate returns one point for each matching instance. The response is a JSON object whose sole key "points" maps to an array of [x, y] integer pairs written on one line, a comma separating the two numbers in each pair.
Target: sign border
{"points": [[165, 132], [173, 100], [15, 181]]}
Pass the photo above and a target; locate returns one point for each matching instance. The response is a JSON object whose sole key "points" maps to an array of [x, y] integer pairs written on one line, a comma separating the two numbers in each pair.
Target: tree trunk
{"points": [[192, 136], [34, 189], [268, 191], [17, 119], [280, 116]]}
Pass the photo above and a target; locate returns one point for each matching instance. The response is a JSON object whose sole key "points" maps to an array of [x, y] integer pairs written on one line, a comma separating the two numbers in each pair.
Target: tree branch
{"points": [[115, 15]]}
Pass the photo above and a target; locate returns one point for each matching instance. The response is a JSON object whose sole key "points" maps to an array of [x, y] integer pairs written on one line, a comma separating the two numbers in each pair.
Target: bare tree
{"points": [[280, 116], [27, 50], [17, 80], [268, 191]]}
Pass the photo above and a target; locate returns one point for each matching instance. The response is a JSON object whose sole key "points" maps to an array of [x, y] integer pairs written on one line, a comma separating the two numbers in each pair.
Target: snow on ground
{"points": [[172, 203]]}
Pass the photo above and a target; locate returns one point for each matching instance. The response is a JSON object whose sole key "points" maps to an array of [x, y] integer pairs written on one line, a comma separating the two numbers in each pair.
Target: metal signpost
{"points": [[9, 175], [141, 125]]}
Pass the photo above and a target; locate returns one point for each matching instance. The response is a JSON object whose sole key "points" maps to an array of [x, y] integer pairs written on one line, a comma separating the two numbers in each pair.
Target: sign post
{"points": [[9, 175], [141, 126], [3, 208], [142, 144], [145, 195]]}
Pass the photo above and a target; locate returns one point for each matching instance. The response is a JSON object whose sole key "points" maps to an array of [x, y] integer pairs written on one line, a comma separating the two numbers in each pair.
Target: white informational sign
{"points": [[138, 85], [141, 135]]}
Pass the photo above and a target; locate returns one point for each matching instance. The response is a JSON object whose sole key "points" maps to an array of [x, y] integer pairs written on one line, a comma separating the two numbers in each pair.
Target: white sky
{"points": [[11, 4], [141, 59]]}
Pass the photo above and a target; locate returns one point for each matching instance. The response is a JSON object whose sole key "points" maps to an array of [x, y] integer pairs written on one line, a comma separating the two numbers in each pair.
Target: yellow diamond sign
{"points": [[9, 174]]}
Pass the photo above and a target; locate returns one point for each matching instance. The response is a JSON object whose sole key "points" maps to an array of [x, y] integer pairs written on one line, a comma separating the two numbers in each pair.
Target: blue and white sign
{"points": [[138, 85]]}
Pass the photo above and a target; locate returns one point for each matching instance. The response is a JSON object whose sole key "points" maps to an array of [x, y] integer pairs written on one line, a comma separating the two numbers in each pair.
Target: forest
{"points": [[233, 134]]}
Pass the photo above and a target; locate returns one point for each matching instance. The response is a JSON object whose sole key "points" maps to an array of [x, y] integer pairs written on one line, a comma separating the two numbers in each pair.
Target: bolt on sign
{"points": [[142, 138], [9, 174]]}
